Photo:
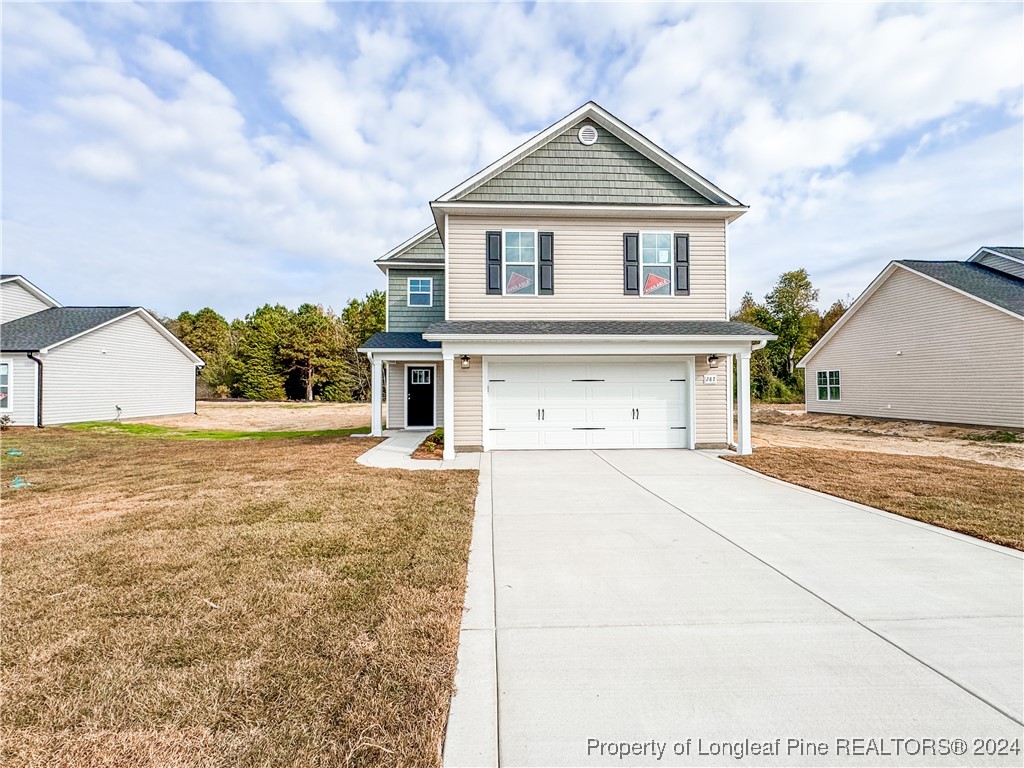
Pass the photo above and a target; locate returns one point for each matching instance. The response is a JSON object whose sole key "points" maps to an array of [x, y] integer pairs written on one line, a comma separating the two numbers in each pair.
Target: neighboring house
{"points": [[574, 294], [929, 340], [65, 364]]}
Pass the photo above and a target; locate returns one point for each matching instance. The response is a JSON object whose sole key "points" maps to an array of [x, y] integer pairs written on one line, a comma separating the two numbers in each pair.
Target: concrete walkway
{"points": [[671, 601], [396, 453]]}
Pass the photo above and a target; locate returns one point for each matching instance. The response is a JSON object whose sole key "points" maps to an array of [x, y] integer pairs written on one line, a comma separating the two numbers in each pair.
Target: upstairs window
{"points": [[828, 385], [519, 270], [655, 264], [421, 292]]}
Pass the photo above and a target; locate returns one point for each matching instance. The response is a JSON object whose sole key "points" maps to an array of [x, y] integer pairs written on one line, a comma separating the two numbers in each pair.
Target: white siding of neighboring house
{"points": [[126, 363], [22, 401], [961, 363], [16, 302], [588, 271], [397, 376]]}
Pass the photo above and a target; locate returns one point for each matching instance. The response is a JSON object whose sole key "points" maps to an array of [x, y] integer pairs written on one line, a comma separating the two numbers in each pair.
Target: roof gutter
{"points": [[39, 387]]}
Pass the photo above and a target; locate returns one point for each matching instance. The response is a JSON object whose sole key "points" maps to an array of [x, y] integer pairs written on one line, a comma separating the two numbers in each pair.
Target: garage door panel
{"points": [[562, 416], [597, 404]]}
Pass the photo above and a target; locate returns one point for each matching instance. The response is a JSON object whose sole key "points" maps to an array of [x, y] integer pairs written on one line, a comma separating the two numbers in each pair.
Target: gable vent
{"points": [[587, 135]]}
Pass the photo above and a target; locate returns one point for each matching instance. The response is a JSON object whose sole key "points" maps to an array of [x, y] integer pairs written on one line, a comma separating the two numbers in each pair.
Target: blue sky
{"points": [[227, 155]]}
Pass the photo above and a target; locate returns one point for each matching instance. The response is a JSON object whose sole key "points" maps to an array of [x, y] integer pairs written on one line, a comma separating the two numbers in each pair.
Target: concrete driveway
{"points": [[668, 608]]}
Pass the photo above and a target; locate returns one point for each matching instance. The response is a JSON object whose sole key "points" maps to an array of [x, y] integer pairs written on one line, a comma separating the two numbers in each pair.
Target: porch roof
{"points": [[464, 329], [382, 341]]}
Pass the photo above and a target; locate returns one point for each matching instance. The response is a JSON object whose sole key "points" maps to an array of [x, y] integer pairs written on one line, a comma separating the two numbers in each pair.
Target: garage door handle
{"points": [[588, 379], [586, 428]]}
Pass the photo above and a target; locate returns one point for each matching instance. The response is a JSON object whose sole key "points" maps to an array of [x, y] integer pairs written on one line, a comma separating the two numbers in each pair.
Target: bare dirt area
{"points": [[789, 426], [965, 496], [268, 417]]}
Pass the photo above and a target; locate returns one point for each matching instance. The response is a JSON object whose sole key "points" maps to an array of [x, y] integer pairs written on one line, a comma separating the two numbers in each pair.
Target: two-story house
{"points": [[573, 295]]}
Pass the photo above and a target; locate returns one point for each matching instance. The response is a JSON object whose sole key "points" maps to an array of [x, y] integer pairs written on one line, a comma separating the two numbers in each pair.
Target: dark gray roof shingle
{"points": [[399, 341], [595, 328], [1006, 250], [989, 285], [50, 326]]}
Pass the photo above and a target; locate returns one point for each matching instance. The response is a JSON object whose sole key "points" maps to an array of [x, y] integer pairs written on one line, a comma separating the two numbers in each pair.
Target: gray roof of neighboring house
{"points": [[43, 329], [399, 341], [429, 249], [1006, 250], [609, 172], [989, 285], [595, 328]]}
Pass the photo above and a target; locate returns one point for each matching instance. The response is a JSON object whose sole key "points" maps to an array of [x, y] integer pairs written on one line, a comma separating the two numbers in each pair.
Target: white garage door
{"points": [[593, 404]]}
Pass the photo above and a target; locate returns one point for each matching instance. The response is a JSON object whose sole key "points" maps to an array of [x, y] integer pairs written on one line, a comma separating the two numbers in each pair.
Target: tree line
{"points": [[789, 311], [279, 354], [310, 353]]}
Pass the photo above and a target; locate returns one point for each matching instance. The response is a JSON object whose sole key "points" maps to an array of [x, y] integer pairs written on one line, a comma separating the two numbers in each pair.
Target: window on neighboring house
{"points": [[421, 292], [828, 385], [5, 386], [519, 252], [655, 264]]}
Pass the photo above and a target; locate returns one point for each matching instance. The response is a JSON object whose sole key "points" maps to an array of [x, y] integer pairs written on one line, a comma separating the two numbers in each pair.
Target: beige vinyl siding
{"points": [[588, 271], [1009, 266], [712, 403], [469, 403], [397, 377], [962, 360], [16, 302], [23, 381], [126, 363]]}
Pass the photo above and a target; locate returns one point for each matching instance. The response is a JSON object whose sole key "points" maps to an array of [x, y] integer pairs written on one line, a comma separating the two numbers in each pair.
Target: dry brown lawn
{"points": [[268, 417], [226, 603], [966, 496]]}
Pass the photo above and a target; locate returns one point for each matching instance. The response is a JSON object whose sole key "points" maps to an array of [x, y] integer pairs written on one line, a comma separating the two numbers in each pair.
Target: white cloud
{"points": [[281, 154], [260, 25], [35, 36], [101, 162]]}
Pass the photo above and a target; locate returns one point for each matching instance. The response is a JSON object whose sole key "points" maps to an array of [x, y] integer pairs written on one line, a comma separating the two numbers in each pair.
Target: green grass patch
{"points": [[996, 437], [176, 433]]}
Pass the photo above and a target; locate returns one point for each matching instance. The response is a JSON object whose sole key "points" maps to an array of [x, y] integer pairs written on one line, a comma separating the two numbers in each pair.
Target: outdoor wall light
{"points": [[465, 361], [712, 361]]}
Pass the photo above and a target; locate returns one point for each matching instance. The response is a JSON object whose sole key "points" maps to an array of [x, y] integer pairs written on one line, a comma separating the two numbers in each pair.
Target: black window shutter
{"points": [[493, 262], [682, 264], [546, 247], [631, 263]]}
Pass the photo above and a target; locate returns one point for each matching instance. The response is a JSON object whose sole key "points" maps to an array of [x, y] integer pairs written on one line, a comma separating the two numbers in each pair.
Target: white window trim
{"points": [[536, 261], [405, 394], [828, 386], [408, 292], [7, 404], [671, 264]]}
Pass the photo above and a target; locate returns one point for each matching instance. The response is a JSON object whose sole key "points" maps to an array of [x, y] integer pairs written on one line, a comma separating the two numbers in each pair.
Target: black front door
{"points": [[419, 389]]}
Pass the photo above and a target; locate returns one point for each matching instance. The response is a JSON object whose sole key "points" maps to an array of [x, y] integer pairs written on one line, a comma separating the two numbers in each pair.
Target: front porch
{"points": [[620, 385]]}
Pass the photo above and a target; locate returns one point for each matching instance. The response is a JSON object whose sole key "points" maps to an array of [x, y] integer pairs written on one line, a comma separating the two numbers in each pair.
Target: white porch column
{"points": [[743, 444], [449, 407], [376, 396]]}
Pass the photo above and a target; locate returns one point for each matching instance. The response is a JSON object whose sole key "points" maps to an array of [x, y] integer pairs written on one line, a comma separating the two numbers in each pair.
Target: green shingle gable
{"points": [[428, 249], [565, 171]]}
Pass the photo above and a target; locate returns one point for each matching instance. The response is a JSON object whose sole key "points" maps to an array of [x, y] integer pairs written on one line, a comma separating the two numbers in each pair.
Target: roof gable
{"points": [[692, 187], [52, 327], [30, 288], [975, 282], [424, 247], [564, 170], [998, 289]]}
